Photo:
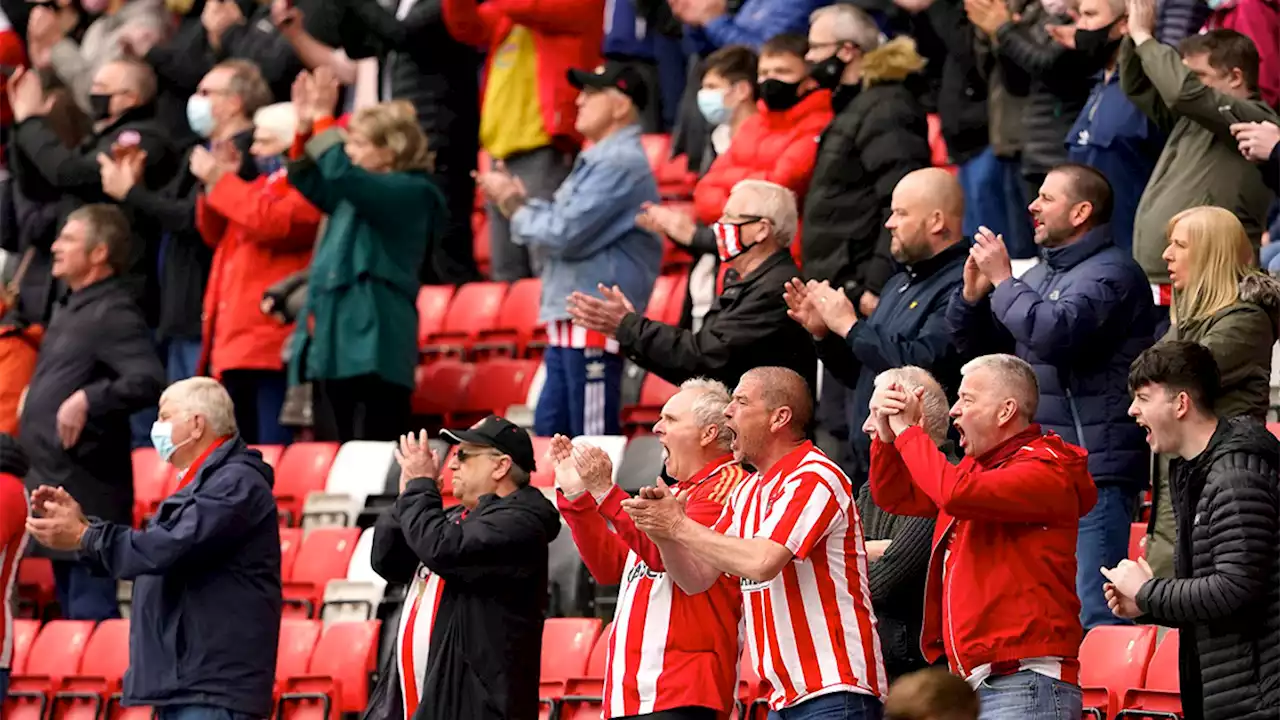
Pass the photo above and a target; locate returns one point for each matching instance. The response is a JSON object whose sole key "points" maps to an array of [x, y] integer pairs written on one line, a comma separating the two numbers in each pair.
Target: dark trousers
{"points": [[681, 713], [199, 712], [836, 706], [82, 595], [4, 686], [582, 394], [258, 396], [360, 408]]}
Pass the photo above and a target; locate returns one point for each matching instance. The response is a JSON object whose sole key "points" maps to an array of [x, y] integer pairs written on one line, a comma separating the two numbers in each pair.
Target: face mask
{"points": [[200, 115], [99, 106], [711, 105], [162, 440], [1215, 4], [268, 165], [1096, 43], [828, 72], [778, 95], [729, 241]]}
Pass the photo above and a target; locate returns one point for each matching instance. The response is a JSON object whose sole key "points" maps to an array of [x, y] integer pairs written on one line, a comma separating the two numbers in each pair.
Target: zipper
{"points": [[949, 579], [1075, 414]]}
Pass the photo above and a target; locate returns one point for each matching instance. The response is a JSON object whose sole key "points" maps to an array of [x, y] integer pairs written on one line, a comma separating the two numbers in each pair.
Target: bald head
{"points": [[927, 215], [782, 387]]}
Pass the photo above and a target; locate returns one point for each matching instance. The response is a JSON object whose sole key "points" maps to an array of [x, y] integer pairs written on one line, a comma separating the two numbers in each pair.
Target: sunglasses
{"points": [[464, 455]]}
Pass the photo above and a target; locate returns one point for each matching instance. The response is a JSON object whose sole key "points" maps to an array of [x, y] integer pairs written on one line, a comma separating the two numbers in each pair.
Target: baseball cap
{"points": [[617, 75], [500, 434]]}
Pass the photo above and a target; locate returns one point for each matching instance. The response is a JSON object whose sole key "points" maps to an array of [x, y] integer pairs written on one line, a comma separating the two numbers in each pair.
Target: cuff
{"points": [[323, 142], [583, 503], [611, 505], [907, 436], [628, 330]]}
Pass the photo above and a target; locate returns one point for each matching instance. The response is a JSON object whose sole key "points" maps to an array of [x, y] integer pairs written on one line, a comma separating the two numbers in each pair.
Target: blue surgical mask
{"points": [[268, 165], [200, 115], [1215, 4], [711, 105], [162, 439]]}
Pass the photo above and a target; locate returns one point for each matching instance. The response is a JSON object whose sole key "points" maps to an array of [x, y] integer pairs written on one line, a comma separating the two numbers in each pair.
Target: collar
{"points": [[185, 476], [942, 259], [790, 461], [1001, 452], [628, 134], [712, 468], [79, 298], [765, 266], [815, 102], [1068, 256]]}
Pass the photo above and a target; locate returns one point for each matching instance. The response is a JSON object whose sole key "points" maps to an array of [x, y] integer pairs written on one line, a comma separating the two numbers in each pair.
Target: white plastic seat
{"points": [[359, 470], [357, 597]]}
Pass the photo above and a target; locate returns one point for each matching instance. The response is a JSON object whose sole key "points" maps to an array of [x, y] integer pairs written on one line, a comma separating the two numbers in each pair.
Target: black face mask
{"points": [[828, 72], [778, 95], [99, 106], [1097, 45]]}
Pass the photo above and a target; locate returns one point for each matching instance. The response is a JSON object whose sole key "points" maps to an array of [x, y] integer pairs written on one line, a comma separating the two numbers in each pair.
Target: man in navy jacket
{"points": [[1079, 317]]}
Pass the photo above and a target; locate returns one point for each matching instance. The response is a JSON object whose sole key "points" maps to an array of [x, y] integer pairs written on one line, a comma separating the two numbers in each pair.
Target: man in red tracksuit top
{"points": [[671, 654], [1000, 599]]}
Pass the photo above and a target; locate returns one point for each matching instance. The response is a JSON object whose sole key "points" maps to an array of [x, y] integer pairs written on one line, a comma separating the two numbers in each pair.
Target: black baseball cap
{"points": [[620, 76], [500, 434]]}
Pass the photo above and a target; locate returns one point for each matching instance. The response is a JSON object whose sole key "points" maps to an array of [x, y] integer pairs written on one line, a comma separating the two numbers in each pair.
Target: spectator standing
{"points": [[1079, 318], [1258, 20], [1260, 143], [727, 98], [262, 231], [746, 327], [470, 635], [13, 540], [1225, 596], [1011, 624], [647, 35], [528, 114], [355, 339], [1221, 302], [1111, 134], [878, 135], [76, 63], [589, 238], [96, 366], [713, 24], [183, 574], [689, 641]]}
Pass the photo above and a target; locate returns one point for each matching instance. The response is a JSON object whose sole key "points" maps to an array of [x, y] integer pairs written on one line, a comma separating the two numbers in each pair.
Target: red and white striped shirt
{"points": [[810, 629], [13, 538], [413, 639], [564, 334]]}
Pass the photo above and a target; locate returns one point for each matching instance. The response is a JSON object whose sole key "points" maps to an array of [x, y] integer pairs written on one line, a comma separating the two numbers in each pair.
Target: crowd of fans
{"points": [[1077, 306]]}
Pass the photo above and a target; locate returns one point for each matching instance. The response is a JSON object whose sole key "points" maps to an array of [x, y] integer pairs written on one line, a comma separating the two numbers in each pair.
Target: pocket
{"points": [[1009, 695]]}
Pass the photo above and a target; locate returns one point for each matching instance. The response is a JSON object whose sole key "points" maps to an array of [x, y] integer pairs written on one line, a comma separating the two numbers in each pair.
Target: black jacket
{"points": [[1226, 593], [96, 342], [962, 95], [909, 327], [747, 327], [206, 587], [486, 640], [873, 141]]}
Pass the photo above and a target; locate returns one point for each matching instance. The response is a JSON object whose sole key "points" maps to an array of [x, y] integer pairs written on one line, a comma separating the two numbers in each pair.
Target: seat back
{"points": [[498, 384], [441, 387], [518, 315], [24, 635], [660, 297], [347, 600], [1137, 540], [360, 468], [1112, 659], [567, 645], [304, 468], [474, 308], [153, 480], [106, 655], [270, 454], [58, 649], [360, 568], [298, 637], [433, 308], [641, 463], [325, 554], [1162, 673], [600, 653], [348, 652], [290, 542]]}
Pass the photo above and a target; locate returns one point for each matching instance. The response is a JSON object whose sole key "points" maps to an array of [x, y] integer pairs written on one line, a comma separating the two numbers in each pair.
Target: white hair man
{"points": [[213, 545], [670, 652], [1005, 537], [747, 326]]}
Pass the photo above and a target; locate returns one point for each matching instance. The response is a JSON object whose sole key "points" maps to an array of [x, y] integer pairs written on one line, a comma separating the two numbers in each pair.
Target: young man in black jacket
{"points": [[1226, 593]]}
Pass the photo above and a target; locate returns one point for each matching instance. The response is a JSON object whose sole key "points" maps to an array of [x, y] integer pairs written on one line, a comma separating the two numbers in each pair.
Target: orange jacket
{"points": [[261, 232], [566, 34], [780, 147]]}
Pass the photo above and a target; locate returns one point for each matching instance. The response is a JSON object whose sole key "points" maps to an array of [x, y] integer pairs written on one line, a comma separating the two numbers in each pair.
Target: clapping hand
{"points": [[656, 511], [595, 468], [835, 308], [904, 409], [1142, 20], [800, 307], [504, 190], [560, 455], [26, 95], [991, 256], [602, 314], [673, 224], [417, 459], [987, 15], [56, 520], [120, 175]]}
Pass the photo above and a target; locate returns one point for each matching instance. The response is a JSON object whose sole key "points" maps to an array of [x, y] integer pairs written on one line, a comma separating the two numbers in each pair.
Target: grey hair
{"points": [[1118, 7], [850, 23], [709, 404], [774, 202], [1012, 373], [519, 476], [912, 378], [207, 398]]}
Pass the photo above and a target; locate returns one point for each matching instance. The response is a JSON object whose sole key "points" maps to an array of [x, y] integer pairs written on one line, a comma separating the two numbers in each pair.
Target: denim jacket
{"points": [[587, 232]]}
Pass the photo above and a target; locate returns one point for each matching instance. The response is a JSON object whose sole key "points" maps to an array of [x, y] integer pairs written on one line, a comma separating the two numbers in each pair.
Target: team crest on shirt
{"points": [[639, 570], [753, 585]]}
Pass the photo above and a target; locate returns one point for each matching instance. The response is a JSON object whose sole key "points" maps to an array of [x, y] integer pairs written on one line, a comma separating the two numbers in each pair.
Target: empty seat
{"points": [[441, 388], [35, 586], [298, 637], [153, 480], [642, 463], [1137, 540], [88, 693], [1113, 658], [473, 309], [324, 555], [1160, 696], [566, 646], [545, 475], [270, 454], [666, 302], [24, 634], [290, 542], [480, 240], [654, 393], [357, 596], [337, 679], [433, 306], [614, 446], [517, 322], [303, 468], [55, 654], [577, 696], [359, 470], [498, 384]]}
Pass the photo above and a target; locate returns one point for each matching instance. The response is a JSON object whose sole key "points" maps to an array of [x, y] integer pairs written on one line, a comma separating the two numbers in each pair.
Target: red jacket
{"points": [[1011, 517], [780, 147], [13, 535], [261, 232], [566, 34]]}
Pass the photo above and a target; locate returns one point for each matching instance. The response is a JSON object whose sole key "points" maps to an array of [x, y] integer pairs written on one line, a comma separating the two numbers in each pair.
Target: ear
{"points": [[99, 254], [1235, 78], [1081, 212], [937, 222], [710, 434], [780, 418], [1182, 406], [848, 52], [1008, 411]]}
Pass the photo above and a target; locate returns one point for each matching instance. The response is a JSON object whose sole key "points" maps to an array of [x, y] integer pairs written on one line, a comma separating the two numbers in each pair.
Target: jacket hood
{"points": [[530, 499], [13, 460], [893, 61], [234, 451], [1243, 434], [1075, 461], [1264, 291]]}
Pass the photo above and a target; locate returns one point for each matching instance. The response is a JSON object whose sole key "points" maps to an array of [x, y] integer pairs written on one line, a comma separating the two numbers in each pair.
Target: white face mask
{"points": [[162, 440]]}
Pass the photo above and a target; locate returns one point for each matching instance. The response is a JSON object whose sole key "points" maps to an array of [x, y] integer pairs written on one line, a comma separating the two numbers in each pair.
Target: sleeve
{"points": [[371, 193], [1184, 95], [572, 225], [486, 546], [1270, 171], [877, 348], [891, 485], [1242, 529], [906, 560], [13, 511], [782, 16], [973, 328], [225, 508], [890, 148], [211, 223], [1233, 341], [1058, 330], [952, 26], [1039, 60], [393, 34], [136, 376], [391, 556], [1142, 93], [554, 17], [805, 513], [277, 217], [470, 22], [269, 50], [838, 358], [64, 168], [603, 551], [704, 238], [173, 214]]}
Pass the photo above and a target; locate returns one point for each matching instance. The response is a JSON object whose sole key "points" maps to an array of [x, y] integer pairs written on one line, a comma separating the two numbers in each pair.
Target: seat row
{"points": [[1127, 671]]}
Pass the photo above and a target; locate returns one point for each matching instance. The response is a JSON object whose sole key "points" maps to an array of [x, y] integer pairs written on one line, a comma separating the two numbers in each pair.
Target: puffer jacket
{"points": [[1226, 596], [778, 146], [1080, 317]]}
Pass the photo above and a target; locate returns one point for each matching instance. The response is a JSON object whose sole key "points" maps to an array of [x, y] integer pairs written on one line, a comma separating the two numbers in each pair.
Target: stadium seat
{"points": [[567, 645], [1137, 540], [473, 309], [937, 145], [517, 322], [480, 245], [325, 554], [270, 454], [359, 470], [358, 595], [615, 447], [24, 634], [1159, 697], [35, 586], [654, 393], [290, 543], [440, 388], [298, 637], [642, 462], [87, 694], [752, 701], [55, 654], [153, 480], [666, 302], [337, 679], [303, 469], [433, 305], [1113, 658], [497, 384], [545, 475], [580, 697], [1274, 427]]}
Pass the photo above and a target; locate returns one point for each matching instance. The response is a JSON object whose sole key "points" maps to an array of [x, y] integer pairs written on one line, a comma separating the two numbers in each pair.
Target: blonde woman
{"points": [[1223, 302], [357, 328]]}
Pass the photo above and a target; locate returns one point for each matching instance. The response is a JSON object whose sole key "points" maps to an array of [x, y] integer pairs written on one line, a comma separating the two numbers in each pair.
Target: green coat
{"points": [[363, 284], [1201, 163]]}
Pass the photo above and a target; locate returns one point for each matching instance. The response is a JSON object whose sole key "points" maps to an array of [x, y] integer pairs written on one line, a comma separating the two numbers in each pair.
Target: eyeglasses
{"points": [[464, 455], [743, 219]]}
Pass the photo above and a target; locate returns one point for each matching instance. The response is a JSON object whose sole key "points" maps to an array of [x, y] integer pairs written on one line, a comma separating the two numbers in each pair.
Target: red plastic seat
{"points": [[567, 645], [517, 322], [153, 481], [937, 145], [497, 384], [337, 679], [654, 393], [1113, 658], [480, 240], [35, 586], [1274, 427], [87, 694], [473, 309], [54, 655], [433, 305], [24, 634], [270, 454], [290, 543], [1137, 540], [577, 696], [302, 469], [298, 638], [441, 387], [666, 302], [1160, 697], [545, 475], [323, 556]]}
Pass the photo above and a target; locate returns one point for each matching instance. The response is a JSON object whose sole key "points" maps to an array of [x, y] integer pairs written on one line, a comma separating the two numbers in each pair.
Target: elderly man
{"points": [[205, 570], [687, 642], [791, 530], [477, 572], [1005, 539], [908, 325], [587, 236], [746, 327]]}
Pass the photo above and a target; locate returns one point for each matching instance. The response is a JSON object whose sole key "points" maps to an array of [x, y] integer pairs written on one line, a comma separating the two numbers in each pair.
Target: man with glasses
{"points": [[470, 637], [747, 325]]}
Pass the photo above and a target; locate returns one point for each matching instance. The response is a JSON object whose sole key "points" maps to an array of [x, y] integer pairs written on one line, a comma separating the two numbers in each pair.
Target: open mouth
{"points": [[960, 433]]}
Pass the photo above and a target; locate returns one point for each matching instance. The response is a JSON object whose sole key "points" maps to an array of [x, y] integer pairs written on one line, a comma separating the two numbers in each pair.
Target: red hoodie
{"points": [[1011, 518], [13, 536]]}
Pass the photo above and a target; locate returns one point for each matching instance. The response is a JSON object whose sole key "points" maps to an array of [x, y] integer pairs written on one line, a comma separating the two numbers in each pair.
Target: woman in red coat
{"points": [[261, 231]]}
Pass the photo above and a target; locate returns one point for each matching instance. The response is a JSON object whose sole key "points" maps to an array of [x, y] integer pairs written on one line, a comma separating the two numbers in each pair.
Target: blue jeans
{"points": [[1103, 541], [199, 712], [836, 706], [83, 595], [582, 394], [1271, 256], [1028, 696], [183, 359], [993, 196]]}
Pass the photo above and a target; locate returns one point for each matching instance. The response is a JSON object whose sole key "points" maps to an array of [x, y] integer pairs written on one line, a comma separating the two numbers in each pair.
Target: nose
{"points": [[869, 427], [1133, 409], [659, 428], [954, 411], [1034, 207], [1167, 255]]}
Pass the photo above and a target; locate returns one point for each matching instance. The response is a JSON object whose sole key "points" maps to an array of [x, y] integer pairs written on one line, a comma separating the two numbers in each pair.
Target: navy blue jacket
{"points": [[1079, 317], [909, 327], [206, 588]]}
